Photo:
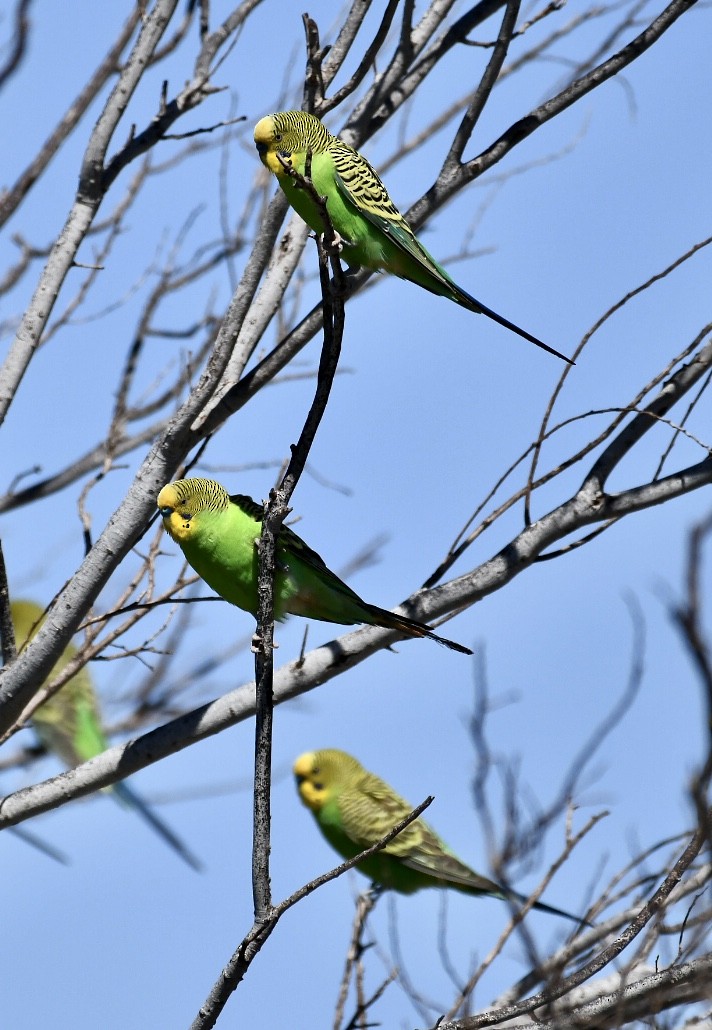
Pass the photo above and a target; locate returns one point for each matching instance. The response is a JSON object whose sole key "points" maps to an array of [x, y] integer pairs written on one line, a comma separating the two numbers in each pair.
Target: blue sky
{"points": [[435, 404]]}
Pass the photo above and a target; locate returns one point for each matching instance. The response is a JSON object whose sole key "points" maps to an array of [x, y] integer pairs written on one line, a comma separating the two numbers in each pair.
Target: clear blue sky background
{"points": [[435, 405]]}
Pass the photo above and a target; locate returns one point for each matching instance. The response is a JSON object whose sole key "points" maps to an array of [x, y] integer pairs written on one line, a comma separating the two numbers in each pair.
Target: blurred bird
{"points": [[373, 233], [38, 844], [69, 724], [218, 535], [354, 808]]}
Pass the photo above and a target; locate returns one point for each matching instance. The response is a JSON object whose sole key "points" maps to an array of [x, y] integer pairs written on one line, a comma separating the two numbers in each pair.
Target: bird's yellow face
{"points": [[186, 504], [269, 142], [285, 137], [177, 513], [311, 782]]}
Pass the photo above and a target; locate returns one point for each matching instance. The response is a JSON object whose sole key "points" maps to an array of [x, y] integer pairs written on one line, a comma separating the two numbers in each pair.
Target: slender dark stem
{"points": [[264, 711], [276, 510], [6, 628], [487, 83], [234, 972], [313, 80]]}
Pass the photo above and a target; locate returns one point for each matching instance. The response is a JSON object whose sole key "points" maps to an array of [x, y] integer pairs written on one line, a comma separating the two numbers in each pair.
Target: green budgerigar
{"points": [[218, 535], [354, 808], [69, 724], [373, 233]]}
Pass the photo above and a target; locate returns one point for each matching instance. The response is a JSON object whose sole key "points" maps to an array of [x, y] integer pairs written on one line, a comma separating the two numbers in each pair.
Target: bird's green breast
{"points": [[331, 825], [363, 245], [222, 551], [222, 548]]}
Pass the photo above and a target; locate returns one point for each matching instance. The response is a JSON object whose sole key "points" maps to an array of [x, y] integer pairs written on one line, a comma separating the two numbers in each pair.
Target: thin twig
{"points": [[251, 944]]}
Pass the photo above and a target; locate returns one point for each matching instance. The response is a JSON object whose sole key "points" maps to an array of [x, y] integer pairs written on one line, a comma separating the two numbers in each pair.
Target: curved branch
{"points": [[13, 197], [655, 992]]}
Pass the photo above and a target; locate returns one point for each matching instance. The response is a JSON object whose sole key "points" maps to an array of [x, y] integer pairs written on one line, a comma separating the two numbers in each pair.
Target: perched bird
{"points": [[354, 808], [69, 725], [218, 535], [374, 234]]}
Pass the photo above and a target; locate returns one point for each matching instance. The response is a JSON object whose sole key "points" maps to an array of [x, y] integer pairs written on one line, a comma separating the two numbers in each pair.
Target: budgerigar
{"points": [[374, 234], [218, 535], [69, 725], [354, 808]]}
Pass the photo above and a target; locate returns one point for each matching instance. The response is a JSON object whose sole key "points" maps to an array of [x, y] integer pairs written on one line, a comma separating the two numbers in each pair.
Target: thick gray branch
{"points": [[18, 681], [84, 209], [332, 659], [612, 1006]]}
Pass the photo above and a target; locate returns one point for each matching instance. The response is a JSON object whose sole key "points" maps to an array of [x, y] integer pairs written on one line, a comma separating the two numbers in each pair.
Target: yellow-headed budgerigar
{"points": [[354, 808], [218, 535], [69, 725], [374, 234]]}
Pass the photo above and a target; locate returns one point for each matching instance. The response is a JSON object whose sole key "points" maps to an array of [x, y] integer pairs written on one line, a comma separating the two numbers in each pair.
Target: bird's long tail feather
{"points": [[36, 842], [124, 793], [475, 305], [413, 628], [543, 907]]}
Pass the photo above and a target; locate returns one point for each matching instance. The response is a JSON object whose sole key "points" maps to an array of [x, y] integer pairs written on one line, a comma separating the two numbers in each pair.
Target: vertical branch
{"points": [[689, 617], [313, 79], [6, 628], [487, 83], [264, 708], [365, 903], [276, 510]]}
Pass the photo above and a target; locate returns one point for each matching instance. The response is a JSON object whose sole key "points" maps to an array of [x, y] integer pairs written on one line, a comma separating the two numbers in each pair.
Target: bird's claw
{"points": [[336, 243], [256, 643]]}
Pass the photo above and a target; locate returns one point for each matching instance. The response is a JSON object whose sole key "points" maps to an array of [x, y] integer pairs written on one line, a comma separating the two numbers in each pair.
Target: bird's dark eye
{"points": [[277, 136]]}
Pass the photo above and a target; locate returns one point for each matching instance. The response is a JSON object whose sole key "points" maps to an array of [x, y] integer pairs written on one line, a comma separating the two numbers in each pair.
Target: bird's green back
{"points": [[416, 858], [350, 827], [68, 724]]}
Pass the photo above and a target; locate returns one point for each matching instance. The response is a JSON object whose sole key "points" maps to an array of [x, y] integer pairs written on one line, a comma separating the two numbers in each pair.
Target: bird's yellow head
{"points": [[182, 503], [26, 619], [288, 133], [321, 774]]}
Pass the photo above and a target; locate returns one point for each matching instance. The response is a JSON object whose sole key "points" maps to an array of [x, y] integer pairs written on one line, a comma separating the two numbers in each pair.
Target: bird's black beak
{"points": [[261, 149], [300, 779]]}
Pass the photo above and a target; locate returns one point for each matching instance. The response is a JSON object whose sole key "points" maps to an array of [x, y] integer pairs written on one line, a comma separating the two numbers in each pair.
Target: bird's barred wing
{"points": [[359, 185], [250, 507], [433, 858], [369, 814], [289, 543]]}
